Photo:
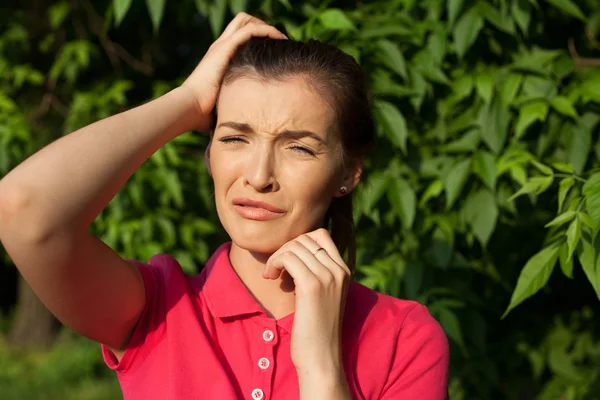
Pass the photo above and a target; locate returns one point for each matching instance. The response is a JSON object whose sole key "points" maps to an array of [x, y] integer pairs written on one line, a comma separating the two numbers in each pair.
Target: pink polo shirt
{"points": [[205, 337]]}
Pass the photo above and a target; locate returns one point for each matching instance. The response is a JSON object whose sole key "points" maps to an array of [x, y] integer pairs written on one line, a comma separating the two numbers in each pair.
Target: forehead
{"points": [[274, 105]]}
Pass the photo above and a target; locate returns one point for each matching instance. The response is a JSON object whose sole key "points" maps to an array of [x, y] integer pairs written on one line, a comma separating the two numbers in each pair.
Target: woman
{"points": [[274, 313]]}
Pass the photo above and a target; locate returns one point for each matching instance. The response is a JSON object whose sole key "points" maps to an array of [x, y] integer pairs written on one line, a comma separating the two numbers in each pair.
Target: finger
{"points": [[242, 35], [325, 273], [240, 20], [337, 270], [321, 238], [292, 264]]}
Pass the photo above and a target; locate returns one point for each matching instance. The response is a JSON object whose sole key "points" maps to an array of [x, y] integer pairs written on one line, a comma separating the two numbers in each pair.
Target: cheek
{"points": [[310, 187]]}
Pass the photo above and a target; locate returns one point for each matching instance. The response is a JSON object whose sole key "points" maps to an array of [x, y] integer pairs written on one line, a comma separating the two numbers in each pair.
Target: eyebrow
{"points": [[293, 134]]}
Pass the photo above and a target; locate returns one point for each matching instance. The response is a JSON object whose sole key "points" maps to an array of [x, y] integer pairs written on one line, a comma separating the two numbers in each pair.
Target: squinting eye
{"points": [[303, 150], [231, 139]]}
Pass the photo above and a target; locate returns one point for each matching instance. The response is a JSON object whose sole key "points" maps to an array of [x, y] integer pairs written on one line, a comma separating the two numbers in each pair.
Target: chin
{"points": [[259, 243]]}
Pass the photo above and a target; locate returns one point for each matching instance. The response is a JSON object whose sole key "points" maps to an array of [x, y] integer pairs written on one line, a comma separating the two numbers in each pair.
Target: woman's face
{"points": [[273, 144]]}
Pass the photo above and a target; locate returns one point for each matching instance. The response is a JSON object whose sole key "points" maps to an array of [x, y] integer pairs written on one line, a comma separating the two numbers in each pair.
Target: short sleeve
{"points": [[420, 366], [149, 329]]}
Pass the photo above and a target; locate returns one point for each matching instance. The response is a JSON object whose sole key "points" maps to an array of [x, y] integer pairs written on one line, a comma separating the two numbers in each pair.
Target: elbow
{"points": [[18, 217]]}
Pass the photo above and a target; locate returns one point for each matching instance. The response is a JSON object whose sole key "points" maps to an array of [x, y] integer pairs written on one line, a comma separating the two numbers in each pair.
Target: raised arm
{"points": [[48, 202]]}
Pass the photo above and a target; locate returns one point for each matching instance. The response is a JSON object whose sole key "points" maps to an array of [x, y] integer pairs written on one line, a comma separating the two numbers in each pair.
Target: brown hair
{"points": [[340, 81]]}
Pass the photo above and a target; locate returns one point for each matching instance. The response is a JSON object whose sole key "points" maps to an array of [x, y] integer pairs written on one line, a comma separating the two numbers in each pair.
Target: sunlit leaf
{"points": [[528, 114], [573, 236], [393, 57], [591, 191], [455, 180], [404, 200], [335, 19], [393, 122], [568, 7], [466, 30], [534, 276], [485, 167], [564, 106], [564, 187], [156, 8]]}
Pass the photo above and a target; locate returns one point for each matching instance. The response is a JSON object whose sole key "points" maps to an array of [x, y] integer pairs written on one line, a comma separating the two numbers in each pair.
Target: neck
{"points": [[276, 296]]}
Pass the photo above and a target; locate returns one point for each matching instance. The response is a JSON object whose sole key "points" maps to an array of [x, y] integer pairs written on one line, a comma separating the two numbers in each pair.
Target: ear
{"points": [[351, 177], [207, 157]]}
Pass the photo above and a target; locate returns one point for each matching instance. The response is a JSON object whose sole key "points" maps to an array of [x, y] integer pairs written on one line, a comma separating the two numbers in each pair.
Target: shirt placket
{"points": [[263, 357]]}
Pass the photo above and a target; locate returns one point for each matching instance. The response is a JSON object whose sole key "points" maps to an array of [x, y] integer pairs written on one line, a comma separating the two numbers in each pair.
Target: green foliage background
{"points": [[484, 189]]}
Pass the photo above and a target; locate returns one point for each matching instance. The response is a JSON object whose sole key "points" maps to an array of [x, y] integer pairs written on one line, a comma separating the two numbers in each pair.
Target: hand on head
{"points": [[205, 81]]}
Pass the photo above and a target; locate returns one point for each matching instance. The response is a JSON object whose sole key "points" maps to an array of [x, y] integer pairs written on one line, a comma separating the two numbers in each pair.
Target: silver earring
{"points": [[343, 190]]}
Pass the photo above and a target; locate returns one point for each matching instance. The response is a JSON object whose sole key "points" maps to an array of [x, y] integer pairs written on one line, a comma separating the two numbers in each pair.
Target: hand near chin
{"points": [[205, 81], [321, 278]]}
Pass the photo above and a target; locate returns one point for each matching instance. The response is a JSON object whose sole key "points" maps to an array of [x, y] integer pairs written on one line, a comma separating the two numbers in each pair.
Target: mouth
{"points": [[256, 210]]}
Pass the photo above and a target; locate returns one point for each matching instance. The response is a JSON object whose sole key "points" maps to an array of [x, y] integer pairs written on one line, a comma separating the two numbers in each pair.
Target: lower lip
{"points": [[255, 213]]}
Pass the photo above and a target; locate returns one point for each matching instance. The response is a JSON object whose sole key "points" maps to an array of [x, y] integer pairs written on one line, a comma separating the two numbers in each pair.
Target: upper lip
{"points": [[255, 203]]}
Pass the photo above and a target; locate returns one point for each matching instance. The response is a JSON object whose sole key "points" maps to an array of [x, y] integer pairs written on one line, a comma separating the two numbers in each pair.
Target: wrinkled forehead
{"points": [[273, 105]]}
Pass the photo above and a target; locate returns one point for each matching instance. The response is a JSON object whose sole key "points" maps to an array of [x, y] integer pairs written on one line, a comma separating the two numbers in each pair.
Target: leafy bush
{"points": [[485, 179]]}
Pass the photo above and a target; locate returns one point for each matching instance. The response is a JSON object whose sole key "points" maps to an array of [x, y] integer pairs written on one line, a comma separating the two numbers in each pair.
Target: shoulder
{"points": [[408, 321]]}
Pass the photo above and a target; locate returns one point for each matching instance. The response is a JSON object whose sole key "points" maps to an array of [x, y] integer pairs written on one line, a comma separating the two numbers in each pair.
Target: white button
{"points": [[264, 363], [268, 335], [257, 394]]}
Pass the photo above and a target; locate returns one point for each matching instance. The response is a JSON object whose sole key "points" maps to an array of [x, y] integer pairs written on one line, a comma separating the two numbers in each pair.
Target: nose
{"points": [[260, 169]]}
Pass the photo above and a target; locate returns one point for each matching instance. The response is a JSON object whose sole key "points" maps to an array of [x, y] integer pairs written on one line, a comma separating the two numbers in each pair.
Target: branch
{"points": [[114, 51], [581, 62]]}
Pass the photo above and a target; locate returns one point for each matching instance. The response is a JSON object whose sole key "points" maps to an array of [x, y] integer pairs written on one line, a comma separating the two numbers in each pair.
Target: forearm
{"points": [[324, 386], [71, 180]]}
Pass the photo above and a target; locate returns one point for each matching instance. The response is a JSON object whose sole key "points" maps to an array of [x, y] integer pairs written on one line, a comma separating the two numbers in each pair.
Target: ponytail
{"points": [[340, 221]]}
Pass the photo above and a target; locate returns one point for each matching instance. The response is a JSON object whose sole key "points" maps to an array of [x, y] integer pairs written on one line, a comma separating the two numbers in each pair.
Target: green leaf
{"points": [[484, 83], [589, 261], [467, 143], [564, 187], [568, 7], [544, 169], [466, 31], [566, 263], [216, 16], [591, 191], [563, 167], [499, 20], [433, 190], [493, 119], [573, 236], [482, 213], [579, 147], [336, 20], [121, 8], [535, 184], [585, 218], [462, 87], [543, 181], [485, 167], [528, 114], [534, 276], [562, 219], [564, 106], [373, 189], [510, 88], [403, 199], [455, 180], [393, 57], [156, 9], [237, 6], [453, 9], [57, 14], [393, 123], [521, 12], [451, 326]]}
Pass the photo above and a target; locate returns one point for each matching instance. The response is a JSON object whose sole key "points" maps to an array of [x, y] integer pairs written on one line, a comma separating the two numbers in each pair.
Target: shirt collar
{"points": [[225, 294]]}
